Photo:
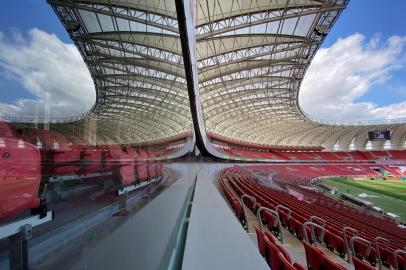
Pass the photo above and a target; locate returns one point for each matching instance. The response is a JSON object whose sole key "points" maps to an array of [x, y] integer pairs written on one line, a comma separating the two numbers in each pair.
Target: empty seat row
{"points": [[317, 260], [278, 258], [340, 156], [33, 155], [244, 182], [275, 254]]}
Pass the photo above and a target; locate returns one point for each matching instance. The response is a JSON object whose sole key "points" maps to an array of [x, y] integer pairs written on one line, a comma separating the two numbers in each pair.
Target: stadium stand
{"points": [[332, 215], [218, 85], [355, 156], [275, 254], [39, 156], [20, 176], [318, 260]]}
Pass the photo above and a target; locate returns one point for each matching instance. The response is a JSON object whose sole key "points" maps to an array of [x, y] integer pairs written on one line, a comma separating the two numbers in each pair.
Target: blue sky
{"points": [[366, 29], [39, 62], [370, 18], [21, 16]]}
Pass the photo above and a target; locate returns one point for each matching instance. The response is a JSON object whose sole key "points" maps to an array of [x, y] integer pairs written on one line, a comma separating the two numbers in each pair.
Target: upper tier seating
{"points": [[306, 174], [337, 156], [397, 154]]}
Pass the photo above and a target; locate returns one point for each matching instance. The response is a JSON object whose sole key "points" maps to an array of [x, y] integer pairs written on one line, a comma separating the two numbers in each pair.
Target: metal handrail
{"points": [[279, 206], [243, 208], [347, 245], [312, 225], [316, 218], [360, 239], [379, 239], [277, 221], [395, 257]]}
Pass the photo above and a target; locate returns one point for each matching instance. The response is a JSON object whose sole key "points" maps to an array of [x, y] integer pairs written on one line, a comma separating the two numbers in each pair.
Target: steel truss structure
{"points": [[133, 52], [251, 58]]}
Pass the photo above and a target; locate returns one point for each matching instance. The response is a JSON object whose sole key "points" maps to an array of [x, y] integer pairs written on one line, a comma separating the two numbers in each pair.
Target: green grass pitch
{"points": [[390, 195]]}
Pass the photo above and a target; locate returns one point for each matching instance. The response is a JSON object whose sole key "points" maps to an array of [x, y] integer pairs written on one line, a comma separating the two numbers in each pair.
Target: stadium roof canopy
{"points": [[134, 55], [251, 58]]}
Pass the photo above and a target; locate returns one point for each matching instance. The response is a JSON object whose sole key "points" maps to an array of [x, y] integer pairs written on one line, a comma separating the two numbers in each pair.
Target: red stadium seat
{"points": [[142, 166], [360, 265], [298, 266], [260, 239], [317, 260], [401, 262], [270, 221], [65, 161], [152, 165], [334, 242], [361, 252], [91, 160], [278, 258], [313, 255], [305, 203], [281, 263], [127, 168], [297, 227], [283, 216], [20, 174], [330, 265], [272, 249], [271, 237]]}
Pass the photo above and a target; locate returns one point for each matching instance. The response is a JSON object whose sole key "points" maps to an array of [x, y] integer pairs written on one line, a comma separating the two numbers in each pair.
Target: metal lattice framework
{"points": [[251, 58], [134, 55]]}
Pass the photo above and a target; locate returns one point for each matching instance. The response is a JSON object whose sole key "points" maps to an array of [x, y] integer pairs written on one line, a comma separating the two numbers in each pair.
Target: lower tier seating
{"points": [[275, 254], [337, 224]]}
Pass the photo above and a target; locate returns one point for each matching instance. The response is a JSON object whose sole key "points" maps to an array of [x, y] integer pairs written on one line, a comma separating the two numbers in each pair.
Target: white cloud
{"points": [[44, 65], [346, 71]]}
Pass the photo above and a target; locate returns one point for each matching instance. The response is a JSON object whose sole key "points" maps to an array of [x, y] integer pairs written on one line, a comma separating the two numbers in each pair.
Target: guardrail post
{"points": [[277, 220], [18, 248], [377, 245], [122, 205], [18, 234], [395, 257], [316, 218], [360, 239], [279, 206], [243, 208], [347, 245], [312, 225]]}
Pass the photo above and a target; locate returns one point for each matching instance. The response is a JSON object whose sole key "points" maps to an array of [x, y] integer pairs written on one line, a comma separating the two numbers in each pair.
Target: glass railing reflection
{"points": [[34, 159]]}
